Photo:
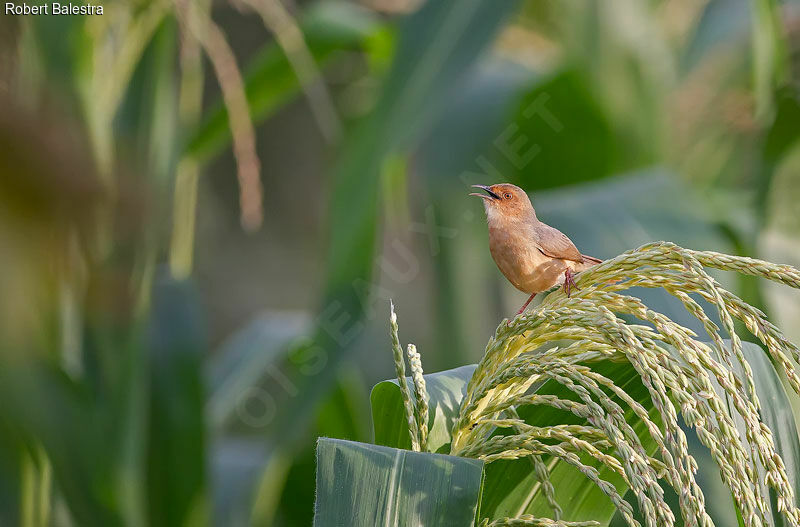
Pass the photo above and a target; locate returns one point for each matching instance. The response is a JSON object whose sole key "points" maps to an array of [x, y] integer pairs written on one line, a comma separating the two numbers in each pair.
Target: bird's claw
{"points": [[569, 282]]}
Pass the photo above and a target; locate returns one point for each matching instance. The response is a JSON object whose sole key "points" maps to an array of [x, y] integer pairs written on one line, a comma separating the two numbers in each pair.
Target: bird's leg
{"points": [[569, 282], [528, 301]]}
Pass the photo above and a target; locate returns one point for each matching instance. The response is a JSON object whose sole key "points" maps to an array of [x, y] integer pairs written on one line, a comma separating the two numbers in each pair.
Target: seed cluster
{"points": [[704, 379], [417, 409]]}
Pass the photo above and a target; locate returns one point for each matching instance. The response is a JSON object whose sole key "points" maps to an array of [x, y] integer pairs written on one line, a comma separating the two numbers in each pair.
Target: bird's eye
{"points": [[507, 195]]}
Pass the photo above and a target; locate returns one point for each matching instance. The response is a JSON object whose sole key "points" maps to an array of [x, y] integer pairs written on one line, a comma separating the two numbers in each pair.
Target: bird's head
{"points": [[505, 202]]}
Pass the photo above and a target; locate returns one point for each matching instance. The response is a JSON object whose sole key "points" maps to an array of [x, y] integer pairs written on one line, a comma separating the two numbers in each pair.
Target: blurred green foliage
{"points": [[136, 395]]}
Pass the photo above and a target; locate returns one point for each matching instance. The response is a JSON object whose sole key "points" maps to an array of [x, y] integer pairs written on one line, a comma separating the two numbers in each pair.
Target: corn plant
{"points": [[598, 385]]}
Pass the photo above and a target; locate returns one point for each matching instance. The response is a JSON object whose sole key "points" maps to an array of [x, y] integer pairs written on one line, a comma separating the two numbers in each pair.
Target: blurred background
{"points": [[205, 208]]}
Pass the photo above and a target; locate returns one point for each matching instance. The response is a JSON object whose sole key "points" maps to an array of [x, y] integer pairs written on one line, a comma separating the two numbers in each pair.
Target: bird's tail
{"points": [[589, 261]]}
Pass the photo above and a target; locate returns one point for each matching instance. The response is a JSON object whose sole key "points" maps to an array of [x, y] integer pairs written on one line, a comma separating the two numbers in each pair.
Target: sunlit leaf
{"points": [[445, 389], [363, 485]]}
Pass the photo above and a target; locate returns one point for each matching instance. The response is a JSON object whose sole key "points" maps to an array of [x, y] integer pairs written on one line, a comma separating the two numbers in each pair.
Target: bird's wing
{"points": [[555, 244]]}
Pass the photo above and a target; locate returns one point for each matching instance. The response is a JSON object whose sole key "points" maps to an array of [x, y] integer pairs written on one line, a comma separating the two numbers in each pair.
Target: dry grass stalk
{"points": [[211, 38]]}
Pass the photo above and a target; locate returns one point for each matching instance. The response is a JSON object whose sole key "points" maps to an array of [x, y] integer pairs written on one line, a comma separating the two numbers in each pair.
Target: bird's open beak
{"points": [[491, 195]]}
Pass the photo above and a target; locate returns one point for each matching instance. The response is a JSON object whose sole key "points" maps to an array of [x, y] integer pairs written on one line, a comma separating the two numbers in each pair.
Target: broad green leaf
{"points": [[776, 412], [270, 81], [445, 389], [361, 485], [176, 476], [770, 59], [560, 135], [781, 137]]}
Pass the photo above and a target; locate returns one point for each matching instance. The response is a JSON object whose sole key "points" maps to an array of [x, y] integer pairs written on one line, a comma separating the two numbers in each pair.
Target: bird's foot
{"points": [[569, 282]]}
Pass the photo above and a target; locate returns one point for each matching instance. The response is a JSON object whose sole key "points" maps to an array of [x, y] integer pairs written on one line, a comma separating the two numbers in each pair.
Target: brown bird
{"points": [[532, 255]]}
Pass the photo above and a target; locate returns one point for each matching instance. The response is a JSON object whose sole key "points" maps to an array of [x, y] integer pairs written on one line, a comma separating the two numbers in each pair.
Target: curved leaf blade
{"points": [[446, 390], [363, 485]]}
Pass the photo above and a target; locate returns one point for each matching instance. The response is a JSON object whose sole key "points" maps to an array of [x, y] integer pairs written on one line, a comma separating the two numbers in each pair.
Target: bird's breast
{"points": [[522, 263]]}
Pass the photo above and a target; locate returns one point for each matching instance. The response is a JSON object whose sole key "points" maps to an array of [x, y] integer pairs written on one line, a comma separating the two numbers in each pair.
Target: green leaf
{"points": [[245, 357], [176, 477], [781, 137], [770, 58], [560, 135], [57, 411], [270, 81], [363, 485], [446, 390]]}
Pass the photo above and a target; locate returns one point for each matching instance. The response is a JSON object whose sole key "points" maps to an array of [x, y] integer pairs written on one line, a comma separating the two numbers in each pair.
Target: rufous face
{"points": [[505, 200]]}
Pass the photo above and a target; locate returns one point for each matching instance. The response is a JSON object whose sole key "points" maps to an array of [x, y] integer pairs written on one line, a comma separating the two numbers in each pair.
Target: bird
{"points": [[532, 255]]}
